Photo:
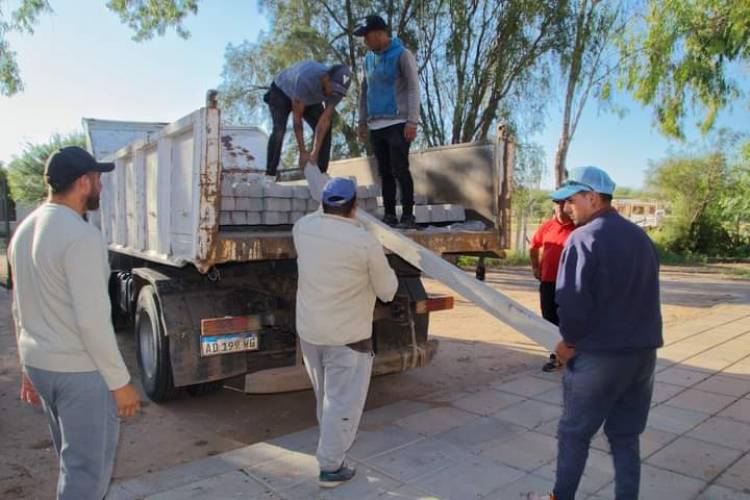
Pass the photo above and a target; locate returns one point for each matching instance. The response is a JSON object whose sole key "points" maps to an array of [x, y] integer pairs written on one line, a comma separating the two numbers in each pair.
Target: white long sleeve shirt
{"points": [[342, 270], [60, 295]]}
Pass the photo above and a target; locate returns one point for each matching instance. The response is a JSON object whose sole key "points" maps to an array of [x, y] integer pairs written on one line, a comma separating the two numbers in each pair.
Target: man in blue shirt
{"points": [[310, 91], [610, 321], [389, 113]]}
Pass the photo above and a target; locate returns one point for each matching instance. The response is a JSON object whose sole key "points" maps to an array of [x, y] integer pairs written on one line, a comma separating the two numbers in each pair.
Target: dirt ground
{"points": [[475, 349]]}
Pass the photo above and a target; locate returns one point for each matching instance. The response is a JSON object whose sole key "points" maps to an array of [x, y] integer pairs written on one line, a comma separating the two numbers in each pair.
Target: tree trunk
{"points": [[561, 156]]}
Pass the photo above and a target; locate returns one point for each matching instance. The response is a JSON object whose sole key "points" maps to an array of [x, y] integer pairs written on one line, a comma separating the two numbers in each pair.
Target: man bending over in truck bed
{"points": [[342, 270], [310, 91]]}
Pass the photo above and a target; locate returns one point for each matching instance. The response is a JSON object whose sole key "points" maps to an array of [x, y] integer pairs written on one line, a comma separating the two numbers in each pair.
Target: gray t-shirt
{"points": [[301, 81]]}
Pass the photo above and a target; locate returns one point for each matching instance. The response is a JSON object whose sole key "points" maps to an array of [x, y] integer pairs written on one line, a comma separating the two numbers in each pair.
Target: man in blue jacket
{"points": [[610, 321], [389, 112]]}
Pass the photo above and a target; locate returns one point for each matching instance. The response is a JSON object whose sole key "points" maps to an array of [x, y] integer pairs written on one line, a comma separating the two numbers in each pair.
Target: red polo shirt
{"points": [[551, 237]]}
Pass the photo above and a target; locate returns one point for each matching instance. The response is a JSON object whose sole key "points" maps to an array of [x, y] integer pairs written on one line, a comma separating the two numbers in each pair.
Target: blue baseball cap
{"points": [[583, 179], [339, 191]]}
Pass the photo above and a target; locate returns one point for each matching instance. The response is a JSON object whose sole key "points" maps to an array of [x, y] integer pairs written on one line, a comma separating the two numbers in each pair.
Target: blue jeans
{"points": [[610, 389], [83, 421]]}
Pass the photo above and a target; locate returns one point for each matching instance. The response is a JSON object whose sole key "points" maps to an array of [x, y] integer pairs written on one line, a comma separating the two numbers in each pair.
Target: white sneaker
{"points": [[539, 496], [268, 179]]}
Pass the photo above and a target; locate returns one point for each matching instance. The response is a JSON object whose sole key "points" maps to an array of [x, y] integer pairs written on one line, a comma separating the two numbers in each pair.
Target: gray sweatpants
{"points": [[340, 377], [83, 420]]}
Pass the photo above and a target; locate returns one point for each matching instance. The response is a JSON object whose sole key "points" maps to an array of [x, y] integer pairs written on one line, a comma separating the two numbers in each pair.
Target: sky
{"points": [[82, 62]]}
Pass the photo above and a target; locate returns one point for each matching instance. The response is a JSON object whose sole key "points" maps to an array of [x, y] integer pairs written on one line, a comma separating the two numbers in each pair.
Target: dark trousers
{"points": [[280, 106], [610, 389], [392, 153], [547, 299]]}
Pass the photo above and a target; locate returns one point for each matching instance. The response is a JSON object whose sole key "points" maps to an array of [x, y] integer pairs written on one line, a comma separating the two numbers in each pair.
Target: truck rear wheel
{"points": [[153, 348]]}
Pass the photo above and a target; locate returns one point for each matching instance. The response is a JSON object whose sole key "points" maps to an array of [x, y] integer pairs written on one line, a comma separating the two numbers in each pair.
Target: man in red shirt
{"points": [[544, 252]]}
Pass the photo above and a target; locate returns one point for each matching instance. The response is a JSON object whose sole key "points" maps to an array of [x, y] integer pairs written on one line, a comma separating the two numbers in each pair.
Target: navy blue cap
{"points": [[69, 163], [339, 191], [341, 78], [372, 23], [583, 179]]}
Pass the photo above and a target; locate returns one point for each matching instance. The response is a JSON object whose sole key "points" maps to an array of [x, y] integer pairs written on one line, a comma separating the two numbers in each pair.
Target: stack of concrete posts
{"points": [[424, 213], [246, 201]]}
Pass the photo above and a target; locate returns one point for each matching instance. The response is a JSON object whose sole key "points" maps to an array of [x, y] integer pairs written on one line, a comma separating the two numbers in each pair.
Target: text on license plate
{"points": [[225, 344]]}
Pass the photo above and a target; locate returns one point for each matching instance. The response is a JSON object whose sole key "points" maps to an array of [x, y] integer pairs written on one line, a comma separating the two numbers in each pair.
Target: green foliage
{"points": [[479, 62], [628, 192], [669, 257], [21, 20], [150, 17], [26, 171], [682, 58], [709, 198], [146, 17]]}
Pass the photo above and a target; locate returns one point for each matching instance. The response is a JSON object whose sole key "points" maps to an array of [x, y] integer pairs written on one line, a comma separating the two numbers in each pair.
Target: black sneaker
{"points": [[407, 222], [552, 365], [335, 478], [390, 220]]}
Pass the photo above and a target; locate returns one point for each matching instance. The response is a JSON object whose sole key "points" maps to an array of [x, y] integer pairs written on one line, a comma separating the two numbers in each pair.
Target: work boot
{"points": [[390, 220], [335, 478], [407, 222]]}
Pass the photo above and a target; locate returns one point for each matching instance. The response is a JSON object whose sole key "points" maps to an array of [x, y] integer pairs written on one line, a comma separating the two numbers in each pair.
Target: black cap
{"points": [[68, 164], [372, 23]]}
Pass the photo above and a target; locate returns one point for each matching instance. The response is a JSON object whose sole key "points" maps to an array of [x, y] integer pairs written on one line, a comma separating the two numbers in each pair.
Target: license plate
{"points": [[227, 344]]}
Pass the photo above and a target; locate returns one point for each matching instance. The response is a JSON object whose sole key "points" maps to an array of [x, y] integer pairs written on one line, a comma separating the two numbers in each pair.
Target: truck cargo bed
{"points": [[249, 244], [163, 201]]}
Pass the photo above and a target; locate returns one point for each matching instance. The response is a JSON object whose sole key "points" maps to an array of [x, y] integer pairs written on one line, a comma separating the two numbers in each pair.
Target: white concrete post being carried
{"points": [[492, 301]]}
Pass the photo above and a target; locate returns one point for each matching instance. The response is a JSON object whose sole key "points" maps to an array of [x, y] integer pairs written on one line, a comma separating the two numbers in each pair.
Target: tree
{"points": [[587, 63], [478, 56], [476, 59], [682, 56], [529, 201], [146, 17], [708, 193], [26, 171]]}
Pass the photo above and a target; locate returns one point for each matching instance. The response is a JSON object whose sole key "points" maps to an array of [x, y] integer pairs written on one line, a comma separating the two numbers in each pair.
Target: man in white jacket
{"points": [[69, 356], [342, 271]]}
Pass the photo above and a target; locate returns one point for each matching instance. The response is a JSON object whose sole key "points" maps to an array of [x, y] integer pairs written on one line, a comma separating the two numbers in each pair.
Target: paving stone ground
{"points": [[498, 441]]}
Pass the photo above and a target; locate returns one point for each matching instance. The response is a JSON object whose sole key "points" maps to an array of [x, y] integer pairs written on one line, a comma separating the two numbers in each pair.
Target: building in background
{"points": [[645, 213]]}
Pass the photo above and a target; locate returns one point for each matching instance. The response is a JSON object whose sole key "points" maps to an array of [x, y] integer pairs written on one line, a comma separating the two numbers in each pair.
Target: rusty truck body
{"points": [[188, 284]]}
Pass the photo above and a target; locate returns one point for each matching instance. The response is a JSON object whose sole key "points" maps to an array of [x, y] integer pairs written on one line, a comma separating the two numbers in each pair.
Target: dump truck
{"points": [[212, 303]]}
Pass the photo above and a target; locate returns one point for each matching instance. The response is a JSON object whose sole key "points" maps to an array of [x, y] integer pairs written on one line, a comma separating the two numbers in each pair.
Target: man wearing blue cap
{"points": [[342, 271], [310, 91], [610, 320]]}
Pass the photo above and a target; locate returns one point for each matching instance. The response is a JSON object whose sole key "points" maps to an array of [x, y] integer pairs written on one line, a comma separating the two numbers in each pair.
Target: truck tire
{"points": [[152, 346]]}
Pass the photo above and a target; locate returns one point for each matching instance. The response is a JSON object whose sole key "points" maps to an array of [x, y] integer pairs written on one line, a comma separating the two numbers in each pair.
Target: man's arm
{"points": [[321, 129], [362, 129], [298, 109], [382, 276], [535, 260], [408, 66], [28, 393], [86, 268], [574, 290], [85, 265], [535, 254]]}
